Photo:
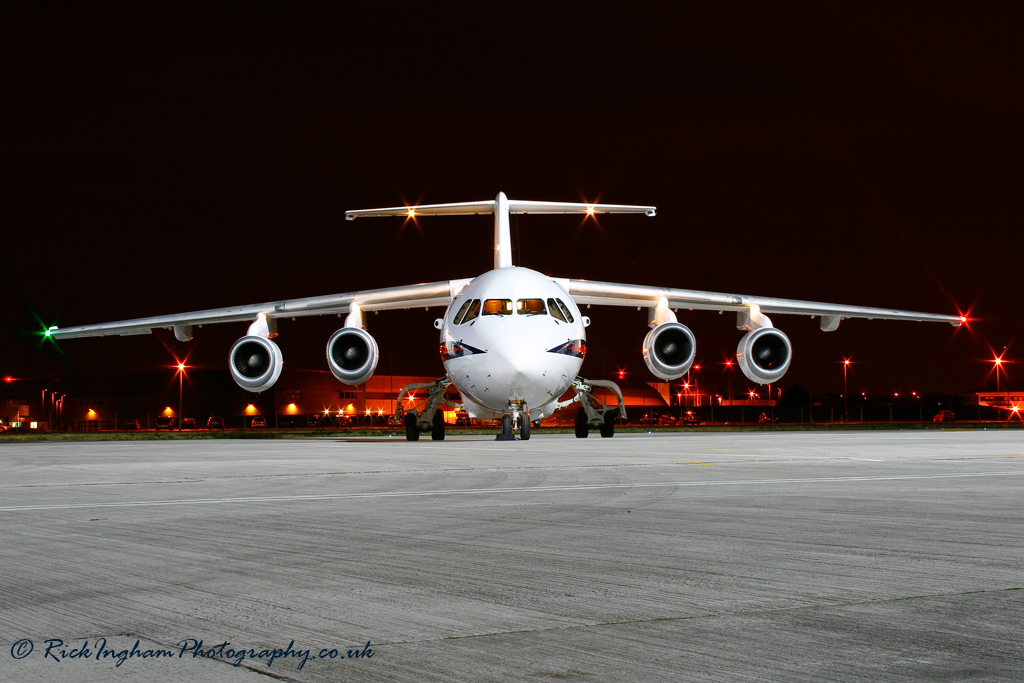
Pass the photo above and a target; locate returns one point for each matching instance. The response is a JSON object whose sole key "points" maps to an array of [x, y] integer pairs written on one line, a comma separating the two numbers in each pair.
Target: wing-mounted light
{"points": [[352, 355], [255, 363]]}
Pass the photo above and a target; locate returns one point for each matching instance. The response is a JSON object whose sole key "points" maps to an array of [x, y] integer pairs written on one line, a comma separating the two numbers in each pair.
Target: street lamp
{"points": [[181, 375], [999, 363], [846, 399]]}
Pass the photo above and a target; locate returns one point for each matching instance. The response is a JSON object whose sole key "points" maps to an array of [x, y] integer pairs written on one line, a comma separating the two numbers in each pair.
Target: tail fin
{"points": [[501, 206]]}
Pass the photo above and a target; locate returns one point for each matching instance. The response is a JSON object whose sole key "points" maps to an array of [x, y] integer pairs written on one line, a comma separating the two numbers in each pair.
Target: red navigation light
{"points": [[622, 374], [8, 379]]}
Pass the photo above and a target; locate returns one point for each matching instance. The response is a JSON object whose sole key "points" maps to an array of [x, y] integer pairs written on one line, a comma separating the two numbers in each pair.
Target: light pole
{"points": [[181, 375], [846, 399], [999, 363]]}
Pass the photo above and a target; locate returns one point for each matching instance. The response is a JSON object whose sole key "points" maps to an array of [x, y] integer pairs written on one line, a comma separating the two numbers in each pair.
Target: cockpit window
{"points": [[462, 311], [565, 310], [498, 307], [530, 307], [472, 313], [555, 311]]}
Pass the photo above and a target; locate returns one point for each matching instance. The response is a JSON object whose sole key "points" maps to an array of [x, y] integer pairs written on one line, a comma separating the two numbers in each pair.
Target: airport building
{"points": [[299, 399]]}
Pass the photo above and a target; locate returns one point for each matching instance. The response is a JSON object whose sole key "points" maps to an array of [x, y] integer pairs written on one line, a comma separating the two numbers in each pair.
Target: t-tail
{"points": [[501, 206]]}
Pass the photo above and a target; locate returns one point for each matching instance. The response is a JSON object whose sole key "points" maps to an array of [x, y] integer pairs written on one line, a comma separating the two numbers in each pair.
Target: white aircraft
{"points": [[512, 339]]}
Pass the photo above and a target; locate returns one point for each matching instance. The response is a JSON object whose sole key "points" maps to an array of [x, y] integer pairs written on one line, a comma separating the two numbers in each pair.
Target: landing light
{"points": [[412, 212], [590, 211]]}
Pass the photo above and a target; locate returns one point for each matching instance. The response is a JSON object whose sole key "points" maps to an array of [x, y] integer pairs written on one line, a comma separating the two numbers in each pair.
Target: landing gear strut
{"points": [[519, 415], [424, 416], [594, 413]]}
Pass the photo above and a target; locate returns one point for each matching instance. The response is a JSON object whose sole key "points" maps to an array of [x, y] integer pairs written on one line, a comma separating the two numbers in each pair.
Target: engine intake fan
{"points": [[764, 355], [352, 355], [669, 350], [255, 363]]}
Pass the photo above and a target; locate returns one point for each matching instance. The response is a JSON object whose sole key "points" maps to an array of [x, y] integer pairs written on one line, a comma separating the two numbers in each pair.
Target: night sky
{"points": [[869, 155]]}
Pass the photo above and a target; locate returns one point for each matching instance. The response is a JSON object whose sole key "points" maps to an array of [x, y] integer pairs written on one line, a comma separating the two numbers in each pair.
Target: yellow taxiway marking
{"points": [[1001, 455], [691, 462]]}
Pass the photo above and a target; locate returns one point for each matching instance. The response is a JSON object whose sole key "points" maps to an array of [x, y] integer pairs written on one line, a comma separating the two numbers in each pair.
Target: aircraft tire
{"points": [[608, 428], [524, 431], [412, 430], [506, 424], [437, 431], [582, 428]]}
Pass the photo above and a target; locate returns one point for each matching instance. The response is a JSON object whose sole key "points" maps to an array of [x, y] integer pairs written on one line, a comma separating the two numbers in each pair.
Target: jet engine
{"points": [[764, 355], [255, 363], [352, 355], [669, 350]]}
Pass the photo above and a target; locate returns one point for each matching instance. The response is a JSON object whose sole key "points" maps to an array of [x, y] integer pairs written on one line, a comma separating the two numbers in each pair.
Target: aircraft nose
{"points": [[516, 364]]}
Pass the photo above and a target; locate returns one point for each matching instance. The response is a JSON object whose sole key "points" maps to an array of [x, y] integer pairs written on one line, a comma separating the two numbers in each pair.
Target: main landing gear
{"points": [[424, 416], [594, 413]]}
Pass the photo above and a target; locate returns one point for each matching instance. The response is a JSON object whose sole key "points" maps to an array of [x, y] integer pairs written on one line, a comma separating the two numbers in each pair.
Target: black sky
{"points": [[166, 161]]}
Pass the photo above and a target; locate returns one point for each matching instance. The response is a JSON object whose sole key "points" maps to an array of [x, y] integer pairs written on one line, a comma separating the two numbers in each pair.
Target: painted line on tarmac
{"points": [[516, 489]]}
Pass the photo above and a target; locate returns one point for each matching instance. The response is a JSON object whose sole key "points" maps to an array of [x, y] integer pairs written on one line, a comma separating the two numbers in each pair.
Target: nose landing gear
{"points": [[520, 416]]}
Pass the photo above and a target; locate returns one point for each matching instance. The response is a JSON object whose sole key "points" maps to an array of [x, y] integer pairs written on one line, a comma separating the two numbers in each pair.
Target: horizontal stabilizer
{"points": [[487, 206], [501, 206]]}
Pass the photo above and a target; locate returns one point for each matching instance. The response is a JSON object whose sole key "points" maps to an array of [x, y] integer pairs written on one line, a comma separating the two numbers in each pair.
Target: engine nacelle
{"points": [[764, 355], [352, 355], [669, 350], [255, 363]]}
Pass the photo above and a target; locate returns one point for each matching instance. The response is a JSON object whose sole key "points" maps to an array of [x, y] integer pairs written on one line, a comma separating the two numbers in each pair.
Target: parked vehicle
{"points": [[461, 418], [188, 423], [690, 418], [765, 418], [131, 425], [667, 420], [215, 422], [944, 416], [258, 423], [165, 422]]}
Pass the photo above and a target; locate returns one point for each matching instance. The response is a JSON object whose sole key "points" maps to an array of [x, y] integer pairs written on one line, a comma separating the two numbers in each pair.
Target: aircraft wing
{"points": [[612, 294], [426, 295]]}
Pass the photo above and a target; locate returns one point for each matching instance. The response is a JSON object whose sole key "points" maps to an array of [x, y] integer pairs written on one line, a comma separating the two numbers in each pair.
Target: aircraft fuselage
{"points": [[512, 335]]}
